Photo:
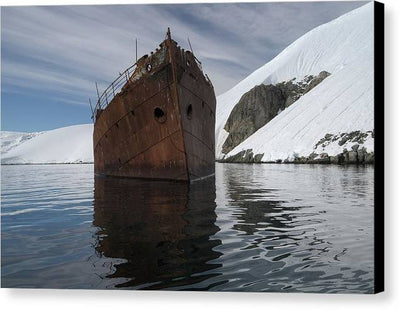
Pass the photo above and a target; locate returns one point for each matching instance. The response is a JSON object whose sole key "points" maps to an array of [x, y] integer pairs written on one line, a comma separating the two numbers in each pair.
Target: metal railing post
{"points": [[102, 101]]}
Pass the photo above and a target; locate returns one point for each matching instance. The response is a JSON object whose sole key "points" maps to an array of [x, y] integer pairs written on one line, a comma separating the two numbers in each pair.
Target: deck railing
{"points": [[114, 88]]}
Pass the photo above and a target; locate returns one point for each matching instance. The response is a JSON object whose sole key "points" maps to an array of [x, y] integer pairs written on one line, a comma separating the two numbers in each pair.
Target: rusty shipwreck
{"points": [[157, 119]]}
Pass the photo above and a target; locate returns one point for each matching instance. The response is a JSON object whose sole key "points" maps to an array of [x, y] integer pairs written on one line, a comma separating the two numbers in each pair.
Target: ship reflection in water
{"points": [[275, 228], [160, 231]]}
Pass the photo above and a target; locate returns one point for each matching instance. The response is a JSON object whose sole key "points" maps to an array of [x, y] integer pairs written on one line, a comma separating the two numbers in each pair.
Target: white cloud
{"points": [[67, 48]]}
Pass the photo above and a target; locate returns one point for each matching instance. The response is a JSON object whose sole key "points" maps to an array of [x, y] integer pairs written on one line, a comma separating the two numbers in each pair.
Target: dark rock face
{"points": [[256, 108], [261, 104]]}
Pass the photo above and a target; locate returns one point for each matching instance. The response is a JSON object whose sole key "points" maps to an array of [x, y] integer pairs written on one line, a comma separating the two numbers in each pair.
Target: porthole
{"points": [[159, 115], [189, 111], [148, 67]]}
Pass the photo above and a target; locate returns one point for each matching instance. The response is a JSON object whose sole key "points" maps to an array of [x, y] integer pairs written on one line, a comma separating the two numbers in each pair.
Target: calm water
{"points": [[295, 228]]}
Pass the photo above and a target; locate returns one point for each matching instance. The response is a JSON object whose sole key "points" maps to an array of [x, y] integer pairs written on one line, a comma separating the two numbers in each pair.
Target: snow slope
{"points": [[343, 102], [11, 139], [71, 144]]}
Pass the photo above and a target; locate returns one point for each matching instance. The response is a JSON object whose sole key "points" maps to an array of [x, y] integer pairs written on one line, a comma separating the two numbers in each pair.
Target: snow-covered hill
{"points": [[11, 139], [71, 144], [342, 103]]}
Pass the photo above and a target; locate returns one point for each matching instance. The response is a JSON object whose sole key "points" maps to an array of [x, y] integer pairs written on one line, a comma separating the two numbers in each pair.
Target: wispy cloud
{"points": [[61, 51]]}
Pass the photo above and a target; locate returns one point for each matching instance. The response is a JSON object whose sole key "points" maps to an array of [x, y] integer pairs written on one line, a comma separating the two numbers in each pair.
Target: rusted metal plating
{"points": [[160, 124]]}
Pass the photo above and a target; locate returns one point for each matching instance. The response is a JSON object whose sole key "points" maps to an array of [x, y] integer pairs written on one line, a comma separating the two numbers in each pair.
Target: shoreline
{"points": [[357, 156], [40, 164]]}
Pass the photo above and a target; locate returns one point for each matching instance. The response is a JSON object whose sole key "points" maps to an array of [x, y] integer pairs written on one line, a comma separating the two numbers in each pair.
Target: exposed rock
{"points": [[246, 156], [324, 155], [369, 158], [325, 160], [261, 104], [258, 157], [356, 137], [300, 160], [361, 156], [357, 154], [312, 155], [343, 140], [237, 158], [338, 159], [256, 108], [316, 80], [352, 157], [314, 158]]}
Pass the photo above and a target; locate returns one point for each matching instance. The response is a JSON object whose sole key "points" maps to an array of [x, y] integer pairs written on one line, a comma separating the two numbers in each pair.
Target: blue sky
{"points": [[52, 56]]}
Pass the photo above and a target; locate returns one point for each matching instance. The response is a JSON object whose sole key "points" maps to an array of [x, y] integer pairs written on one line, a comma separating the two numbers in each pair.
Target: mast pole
{"points": [[90, 103], [91, 108], [97, 89], [169, 34], [190, 45]]}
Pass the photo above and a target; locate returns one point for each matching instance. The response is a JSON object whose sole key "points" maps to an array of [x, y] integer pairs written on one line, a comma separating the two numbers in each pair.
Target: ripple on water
{"points": [[277, 228]]}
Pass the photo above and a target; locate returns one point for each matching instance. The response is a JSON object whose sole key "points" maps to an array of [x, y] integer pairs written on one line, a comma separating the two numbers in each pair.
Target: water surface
{"points": [[294, 228]]}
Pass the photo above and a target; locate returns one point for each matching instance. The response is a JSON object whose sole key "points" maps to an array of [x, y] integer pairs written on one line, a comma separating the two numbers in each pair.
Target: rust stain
{"points": [[161, 123]]}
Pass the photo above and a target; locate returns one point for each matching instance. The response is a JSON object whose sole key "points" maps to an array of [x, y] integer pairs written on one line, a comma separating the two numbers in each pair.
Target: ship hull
{"points": [[161, 125]]}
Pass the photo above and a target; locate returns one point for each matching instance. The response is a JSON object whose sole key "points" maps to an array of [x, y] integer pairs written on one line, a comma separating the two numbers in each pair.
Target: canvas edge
{"points": [[379, 148]]}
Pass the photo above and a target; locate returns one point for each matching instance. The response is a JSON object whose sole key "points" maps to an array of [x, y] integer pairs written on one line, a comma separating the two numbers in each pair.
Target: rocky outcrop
{"points": [[361, 156], [353, 151], [256, 108], [246, 156], [357, 136], [261, 104]]}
